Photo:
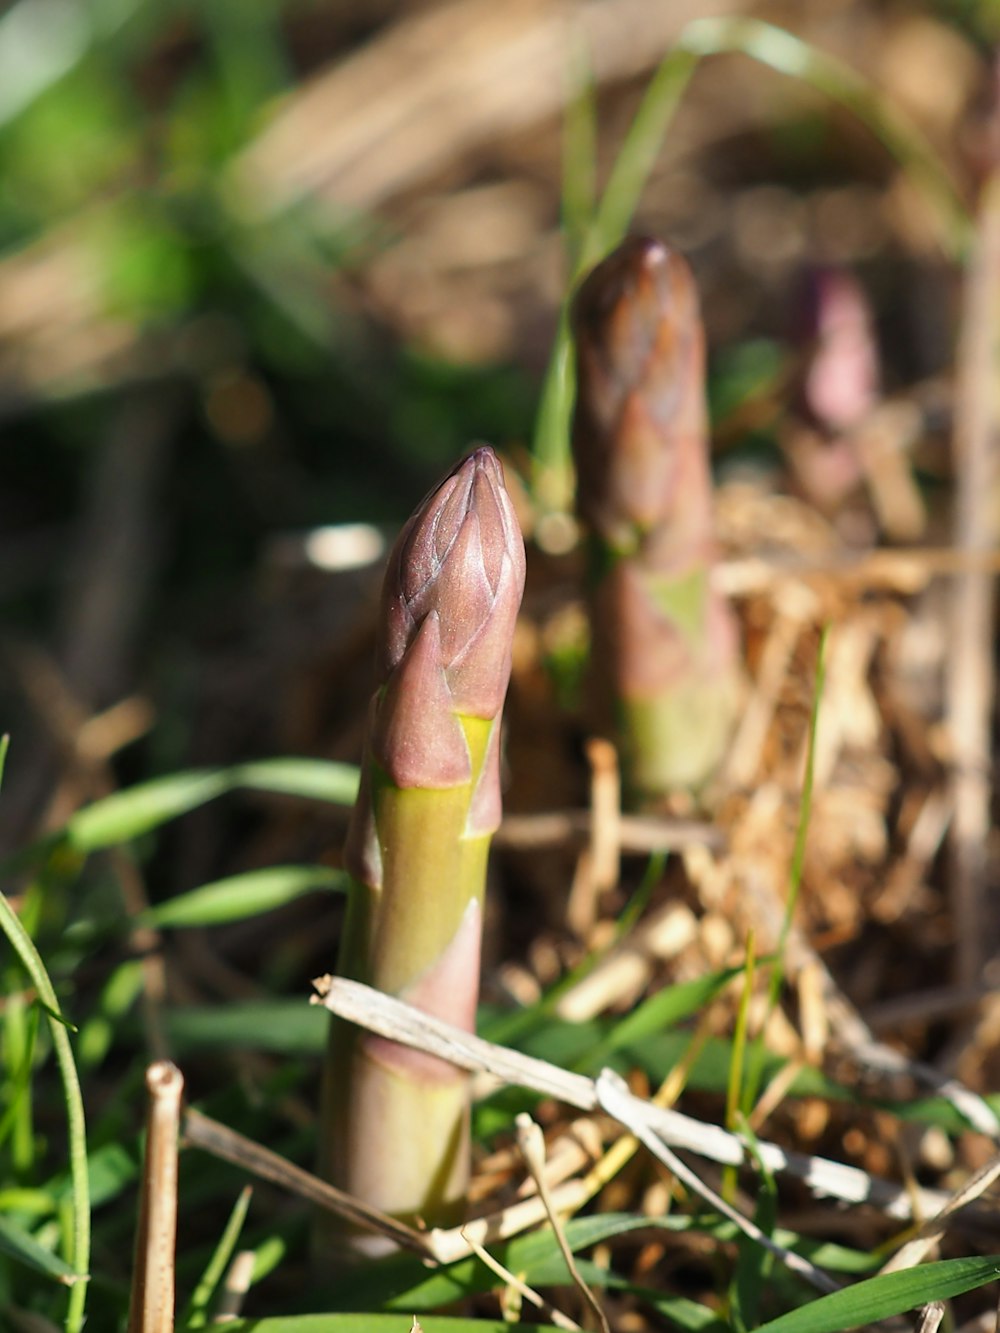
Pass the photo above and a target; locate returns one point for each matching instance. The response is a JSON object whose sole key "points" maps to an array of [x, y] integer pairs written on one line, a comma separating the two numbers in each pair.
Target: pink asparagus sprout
{"points": [[837, 388], [840, 385], [397, 1121], [664, 643]]}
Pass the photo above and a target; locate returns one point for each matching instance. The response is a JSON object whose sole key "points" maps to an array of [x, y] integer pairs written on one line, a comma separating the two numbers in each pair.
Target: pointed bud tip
{"points": [[482, 458], [640, 406], [655, 280], [460, 556]]}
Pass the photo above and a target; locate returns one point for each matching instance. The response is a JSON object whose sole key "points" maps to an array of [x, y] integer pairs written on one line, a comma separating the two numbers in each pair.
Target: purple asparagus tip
{"points": [[460, 556]]}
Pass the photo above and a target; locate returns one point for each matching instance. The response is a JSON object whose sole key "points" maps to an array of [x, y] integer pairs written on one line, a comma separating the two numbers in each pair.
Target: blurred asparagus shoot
{"points": [[663, 641], [594, 226], [396, 1121]]}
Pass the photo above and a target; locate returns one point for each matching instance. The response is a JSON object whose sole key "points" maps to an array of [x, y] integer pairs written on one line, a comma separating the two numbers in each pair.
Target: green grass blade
{"points": [[141, 809], [23, 1247], [661, 1011], [579, 160], [552, 474], [788, 54], [890, 1294], [240, 896], [679, 1311], [196, 1314], [375, 1323], [35, 1203], [754, 1264], [79, 1258], [310, 779], [137, 810], [639, 152], [20, 1028], [287, 1027], [120, 992], [537, 1257], [553, 470], [402, 1283], [735, 1087], [112, 1168]]}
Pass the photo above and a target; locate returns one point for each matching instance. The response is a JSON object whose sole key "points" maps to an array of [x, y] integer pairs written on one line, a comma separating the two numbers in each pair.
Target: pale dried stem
{"points": [[441, 1246], [917, 1247], [931, 1317], [636, 834], [744, 758], [970, 684], [151, 1308], [599, 865], [202, 1132], [512, 1280], [453, 1243], [775, 1093], [623, 973], [605, 812], [531, 1141], [380, 1013], [235, 1287], [615, 1098], [922, 845], [900, 570], [883, 443]]}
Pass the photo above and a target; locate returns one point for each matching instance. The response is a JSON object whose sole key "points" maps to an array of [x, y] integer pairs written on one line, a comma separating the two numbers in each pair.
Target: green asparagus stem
{"points": [[396, 1121], [664, 643]]}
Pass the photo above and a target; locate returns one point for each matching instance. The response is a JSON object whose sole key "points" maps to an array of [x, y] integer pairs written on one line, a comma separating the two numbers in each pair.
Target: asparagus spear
{"points": [[396, 1120], [663, 641]]}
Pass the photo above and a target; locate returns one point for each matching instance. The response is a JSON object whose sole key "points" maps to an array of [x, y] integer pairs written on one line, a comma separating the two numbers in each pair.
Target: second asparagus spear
{"points": [[663, 640]]}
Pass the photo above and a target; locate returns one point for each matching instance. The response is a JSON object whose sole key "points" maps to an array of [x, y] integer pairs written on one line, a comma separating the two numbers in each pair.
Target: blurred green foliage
{"points": [[119, 141]]}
